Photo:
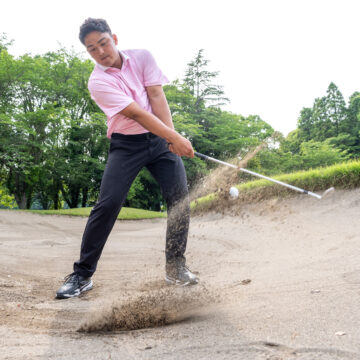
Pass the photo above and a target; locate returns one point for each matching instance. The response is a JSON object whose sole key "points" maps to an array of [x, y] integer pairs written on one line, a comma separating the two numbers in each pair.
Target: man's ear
{"points": [[115, 39]]}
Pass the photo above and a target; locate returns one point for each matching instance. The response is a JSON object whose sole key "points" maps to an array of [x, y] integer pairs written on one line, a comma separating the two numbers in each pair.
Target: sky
{"points": [[274, 56]]}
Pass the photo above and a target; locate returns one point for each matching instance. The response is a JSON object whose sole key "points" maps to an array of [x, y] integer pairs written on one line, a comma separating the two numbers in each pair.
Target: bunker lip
{"points": [[292, 187]]}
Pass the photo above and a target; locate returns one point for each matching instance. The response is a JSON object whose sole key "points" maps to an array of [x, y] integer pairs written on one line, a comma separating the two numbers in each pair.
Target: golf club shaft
{"points": [[205, 157]]}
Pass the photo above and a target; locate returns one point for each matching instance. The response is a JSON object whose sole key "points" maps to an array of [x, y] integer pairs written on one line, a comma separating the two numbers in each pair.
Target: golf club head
{"points": [[327, 192]]}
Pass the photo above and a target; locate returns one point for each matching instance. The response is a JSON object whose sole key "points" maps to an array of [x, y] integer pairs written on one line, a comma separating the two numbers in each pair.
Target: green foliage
{"points": [[134, 199], [326, 118], [53, 145], [330, 118], [6, 200], [311, 154], [83, 159], [146, 194], [328, 133], [199, 81], [4, 42], [196, 169], [180, 99], [52, 140], [315, 154]]}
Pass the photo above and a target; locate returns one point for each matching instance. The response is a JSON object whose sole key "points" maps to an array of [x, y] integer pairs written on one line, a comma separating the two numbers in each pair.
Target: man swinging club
{"points": [[127, 86]]}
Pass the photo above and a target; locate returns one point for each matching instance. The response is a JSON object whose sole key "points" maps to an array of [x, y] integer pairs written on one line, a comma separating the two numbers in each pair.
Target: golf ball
{"points": [[234, 192]]}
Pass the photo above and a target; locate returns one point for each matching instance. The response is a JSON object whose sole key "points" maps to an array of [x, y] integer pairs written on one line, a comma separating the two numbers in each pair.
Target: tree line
{"points": [[326, 134], [53, 145]]}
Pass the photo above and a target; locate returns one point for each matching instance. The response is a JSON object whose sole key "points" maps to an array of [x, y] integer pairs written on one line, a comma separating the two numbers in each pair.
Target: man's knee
{"points": [[108, 206]]}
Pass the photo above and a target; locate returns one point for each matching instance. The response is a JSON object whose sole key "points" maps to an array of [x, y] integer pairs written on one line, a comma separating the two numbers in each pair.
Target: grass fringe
{"points": [[125, 213], [341, 176]]}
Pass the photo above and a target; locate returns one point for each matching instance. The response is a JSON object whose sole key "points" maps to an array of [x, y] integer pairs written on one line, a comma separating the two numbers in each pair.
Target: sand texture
{"points": [[279, 279]]}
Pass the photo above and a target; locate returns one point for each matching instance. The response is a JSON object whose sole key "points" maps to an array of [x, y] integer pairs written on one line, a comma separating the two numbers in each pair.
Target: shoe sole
{"points": [[86, 287], [179, 283]]}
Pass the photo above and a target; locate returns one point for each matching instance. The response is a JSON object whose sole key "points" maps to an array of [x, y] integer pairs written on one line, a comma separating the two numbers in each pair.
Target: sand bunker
{"points": [[302, 256]]}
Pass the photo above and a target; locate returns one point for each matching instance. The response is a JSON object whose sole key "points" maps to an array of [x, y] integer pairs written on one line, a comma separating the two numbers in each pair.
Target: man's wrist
{"points": [[172, 137]]}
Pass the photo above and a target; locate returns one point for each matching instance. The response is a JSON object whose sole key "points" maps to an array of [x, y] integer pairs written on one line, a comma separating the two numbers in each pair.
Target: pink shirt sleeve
{"points": [[108, 97], [152, 74]]}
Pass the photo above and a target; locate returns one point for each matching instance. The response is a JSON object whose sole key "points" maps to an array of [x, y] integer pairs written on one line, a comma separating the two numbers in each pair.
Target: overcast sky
{"points": [[274, 56]]}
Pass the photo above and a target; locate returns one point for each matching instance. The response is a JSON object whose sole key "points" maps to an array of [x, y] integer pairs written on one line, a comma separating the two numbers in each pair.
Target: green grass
{"points": [[344, 175], [125, 213], [341, 176]]}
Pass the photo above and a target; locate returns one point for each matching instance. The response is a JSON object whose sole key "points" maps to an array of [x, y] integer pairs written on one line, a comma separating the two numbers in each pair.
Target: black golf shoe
{"points": [[177, 273], [74, 285]]}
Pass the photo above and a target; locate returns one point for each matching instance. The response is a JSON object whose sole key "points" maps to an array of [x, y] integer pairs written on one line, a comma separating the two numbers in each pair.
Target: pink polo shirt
{"points": [[114, 89]]}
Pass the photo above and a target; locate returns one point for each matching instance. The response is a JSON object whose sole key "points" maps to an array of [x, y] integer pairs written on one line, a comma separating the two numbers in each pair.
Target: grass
{"points": [[125, 213], [341, 176], [344, 175]]}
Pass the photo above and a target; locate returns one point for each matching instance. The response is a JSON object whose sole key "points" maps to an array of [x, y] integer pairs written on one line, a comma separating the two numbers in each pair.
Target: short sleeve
{"points": [[108, 97], [152, 73]]}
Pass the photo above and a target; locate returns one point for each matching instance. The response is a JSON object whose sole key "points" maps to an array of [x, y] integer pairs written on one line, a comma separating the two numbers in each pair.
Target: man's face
{"points": [[102, 48]]}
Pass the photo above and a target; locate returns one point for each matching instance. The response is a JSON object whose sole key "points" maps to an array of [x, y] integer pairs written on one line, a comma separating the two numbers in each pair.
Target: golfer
{"points": [[127, 86]]}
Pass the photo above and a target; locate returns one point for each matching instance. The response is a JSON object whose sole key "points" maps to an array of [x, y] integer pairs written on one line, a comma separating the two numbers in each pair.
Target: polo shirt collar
{"points": [[123, 56]]}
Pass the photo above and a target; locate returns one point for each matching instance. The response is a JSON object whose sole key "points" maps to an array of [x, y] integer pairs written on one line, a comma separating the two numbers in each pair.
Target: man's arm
{"points": [[180, 145], [159, 105]]}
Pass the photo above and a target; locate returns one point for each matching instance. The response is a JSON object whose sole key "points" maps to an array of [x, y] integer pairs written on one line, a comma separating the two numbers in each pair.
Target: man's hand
{"points": [[181, 147]]}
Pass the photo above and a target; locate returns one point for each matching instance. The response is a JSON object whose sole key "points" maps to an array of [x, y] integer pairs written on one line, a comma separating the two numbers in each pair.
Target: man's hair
{"points": [[91, 24]]}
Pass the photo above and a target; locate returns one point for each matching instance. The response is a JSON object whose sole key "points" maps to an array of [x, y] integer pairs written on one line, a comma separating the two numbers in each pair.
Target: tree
{"points": [[306, 124], [335, 108], [353, 119], [85, 145], [323, 128], [315, 154], [327, 117], [23, 124], [51, 139], [6, 200], [351, 125], [4, 42], [230, 135], [83, 160], [198, 80], [292, 142], [27, 118]]}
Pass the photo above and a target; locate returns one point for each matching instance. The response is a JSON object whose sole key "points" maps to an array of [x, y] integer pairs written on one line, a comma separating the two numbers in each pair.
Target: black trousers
{"points": [[128, 154]]}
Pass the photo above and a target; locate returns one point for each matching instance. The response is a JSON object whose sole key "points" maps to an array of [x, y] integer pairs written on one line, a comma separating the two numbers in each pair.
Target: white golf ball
{"points": [[234, 192]]}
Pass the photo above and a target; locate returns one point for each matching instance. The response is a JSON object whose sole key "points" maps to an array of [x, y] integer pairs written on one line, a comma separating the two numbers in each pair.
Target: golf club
{"points": [[205, 157]]}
